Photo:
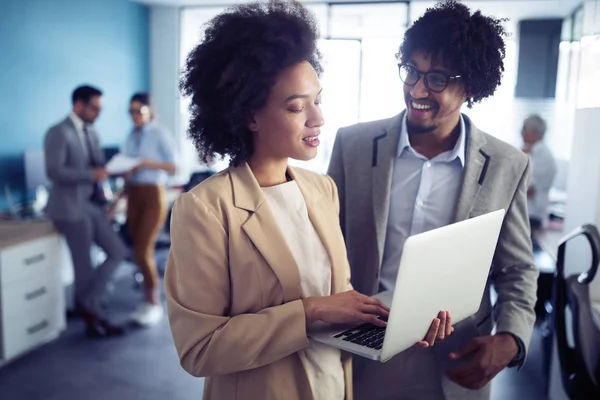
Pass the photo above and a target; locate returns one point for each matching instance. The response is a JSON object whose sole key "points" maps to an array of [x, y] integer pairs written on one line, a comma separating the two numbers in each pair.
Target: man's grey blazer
{"points": [[69, 170], [495, 176]]}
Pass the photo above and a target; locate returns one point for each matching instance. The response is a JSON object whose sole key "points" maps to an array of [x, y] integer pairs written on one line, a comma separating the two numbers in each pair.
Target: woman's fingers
{"points": [[375, 302], [372, 319], [374, 310]]}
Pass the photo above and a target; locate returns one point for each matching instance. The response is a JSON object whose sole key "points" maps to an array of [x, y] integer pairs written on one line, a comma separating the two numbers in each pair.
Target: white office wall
{"points": [[583, 191], [583, 187]]}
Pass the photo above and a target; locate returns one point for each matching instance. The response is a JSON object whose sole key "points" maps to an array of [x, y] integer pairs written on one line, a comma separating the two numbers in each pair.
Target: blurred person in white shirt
{"points": [[543, 168]]}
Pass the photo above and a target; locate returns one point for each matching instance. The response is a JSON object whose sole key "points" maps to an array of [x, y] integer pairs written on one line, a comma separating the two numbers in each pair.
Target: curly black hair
{"points": [[231, 72], [470, 44]]}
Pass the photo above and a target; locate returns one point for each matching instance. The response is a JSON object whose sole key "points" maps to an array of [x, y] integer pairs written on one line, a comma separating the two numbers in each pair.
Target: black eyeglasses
{"points": [[94, 108], [141, 111], [435, 81]]}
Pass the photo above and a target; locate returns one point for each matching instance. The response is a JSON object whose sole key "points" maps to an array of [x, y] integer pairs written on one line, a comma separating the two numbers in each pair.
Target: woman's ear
{"points": [[251, 124]]}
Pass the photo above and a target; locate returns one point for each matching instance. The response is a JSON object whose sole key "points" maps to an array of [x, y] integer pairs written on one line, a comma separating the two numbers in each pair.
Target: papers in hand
{"points": [[120, 164]]}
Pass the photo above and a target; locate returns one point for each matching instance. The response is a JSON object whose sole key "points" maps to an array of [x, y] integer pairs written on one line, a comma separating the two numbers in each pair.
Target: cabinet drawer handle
{"points": [[35, 259], [37, 327], [36, 293]]}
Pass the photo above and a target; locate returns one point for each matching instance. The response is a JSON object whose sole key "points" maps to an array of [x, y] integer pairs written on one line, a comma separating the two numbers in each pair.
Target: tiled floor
{"points": [[141, 365], [144, 365]]}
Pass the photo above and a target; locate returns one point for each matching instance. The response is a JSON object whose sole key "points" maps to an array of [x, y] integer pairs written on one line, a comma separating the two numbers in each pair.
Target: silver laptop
{"points": [[442, 269]]}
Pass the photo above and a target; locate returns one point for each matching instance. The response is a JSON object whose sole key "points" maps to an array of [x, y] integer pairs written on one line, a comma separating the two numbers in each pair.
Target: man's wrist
{"points": [[519, 346]]}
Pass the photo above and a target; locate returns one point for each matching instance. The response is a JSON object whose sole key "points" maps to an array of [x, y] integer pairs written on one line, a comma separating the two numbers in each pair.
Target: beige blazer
{"points": [[233, 287]]}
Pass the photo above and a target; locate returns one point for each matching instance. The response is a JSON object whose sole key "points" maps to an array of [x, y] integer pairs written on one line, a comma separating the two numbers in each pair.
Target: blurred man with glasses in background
{"points": [[428, 167], [75, 166]]}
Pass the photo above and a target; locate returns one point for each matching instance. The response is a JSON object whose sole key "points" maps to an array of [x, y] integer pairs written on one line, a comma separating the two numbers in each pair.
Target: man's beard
{"points": [[418, 129]]}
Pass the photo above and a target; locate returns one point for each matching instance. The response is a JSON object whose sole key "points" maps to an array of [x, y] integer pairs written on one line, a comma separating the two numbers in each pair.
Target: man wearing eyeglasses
{"points": [[428, 167], [74, 165]]}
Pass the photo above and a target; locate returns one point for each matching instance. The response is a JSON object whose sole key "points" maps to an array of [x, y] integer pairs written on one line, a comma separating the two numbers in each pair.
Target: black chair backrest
{"points": [[580, 365], [195, 179]]}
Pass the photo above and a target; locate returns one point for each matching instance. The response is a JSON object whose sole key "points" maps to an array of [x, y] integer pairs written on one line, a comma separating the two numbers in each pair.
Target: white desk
{"points": [[32, 297]]}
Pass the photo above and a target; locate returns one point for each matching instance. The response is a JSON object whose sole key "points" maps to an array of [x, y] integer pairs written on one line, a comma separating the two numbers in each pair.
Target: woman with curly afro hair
{"points": [[430, 166], [257, 253]]}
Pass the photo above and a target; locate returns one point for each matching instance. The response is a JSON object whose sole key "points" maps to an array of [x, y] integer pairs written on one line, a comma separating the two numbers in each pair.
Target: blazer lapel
{"points": [[477, 162], [384, 152], [327, 228], [262, 229]]}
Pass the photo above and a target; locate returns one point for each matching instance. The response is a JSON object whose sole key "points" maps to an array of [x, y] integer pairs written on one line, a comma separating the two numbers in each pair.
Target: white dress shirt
{"points": [[323, 363], [543, 171], [423, 196], [79, 125]]}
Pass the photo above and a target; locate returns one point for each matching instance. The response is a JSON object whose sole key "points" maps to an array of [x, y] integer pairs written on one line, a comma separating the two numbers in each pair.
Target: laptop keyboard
{"points": [[367, 335]]}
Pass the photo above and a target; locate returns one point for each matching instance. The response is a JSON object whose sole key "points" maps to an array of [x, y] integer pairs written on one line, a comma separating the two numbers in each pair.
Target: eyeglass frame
{"points": [[420, 74], [144, 110], [92, 107]]}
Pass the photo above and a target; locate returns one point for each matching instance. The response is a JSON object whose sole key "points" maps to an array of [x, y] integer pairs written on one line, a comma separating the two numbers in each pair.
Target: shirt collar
{"points": [[537, 145], [143, 129], [78, 122], [457, 152]]}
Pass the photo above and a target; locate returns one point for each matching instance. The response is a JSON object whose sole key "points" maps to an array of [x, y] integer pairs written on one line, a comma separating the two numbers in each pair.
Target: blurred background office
{"points": [[48, 47]]}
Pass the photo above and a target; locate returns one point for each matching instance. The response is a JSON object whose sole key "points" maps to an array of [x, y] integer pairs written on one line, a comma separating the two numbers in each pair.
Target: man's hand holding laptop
{"points": [[490, 355], [352, 307]]}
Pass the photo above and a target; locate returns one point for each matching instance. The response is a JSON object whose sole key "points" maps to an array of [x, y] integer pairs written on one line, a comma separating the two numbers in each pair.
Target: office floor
{"points": [[144, 365]]}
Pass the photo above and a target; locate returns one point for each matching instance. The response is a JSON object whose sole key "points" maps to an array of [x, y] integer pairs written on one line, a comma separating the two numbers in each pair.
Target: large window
{"points": [[589, 73], [192, 29], [360, 81], [501, 114]]}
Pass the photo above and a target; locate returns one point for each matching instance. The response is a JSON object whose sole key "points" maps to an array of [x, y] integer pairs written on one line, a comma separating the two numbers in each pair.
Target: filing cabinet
{"points": [[32, 299]]}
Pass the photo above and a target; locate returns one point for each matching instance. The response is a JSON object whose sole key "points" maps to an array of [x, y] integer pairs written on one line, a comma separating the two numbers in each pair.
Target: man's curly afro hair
{"points": [[472, 45], [230, 73]]}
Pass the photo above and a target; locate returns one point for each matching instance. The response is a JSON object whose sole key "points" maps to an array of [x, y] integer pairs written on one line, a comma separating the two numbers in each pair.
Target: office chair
{"points": [[580, 365]]}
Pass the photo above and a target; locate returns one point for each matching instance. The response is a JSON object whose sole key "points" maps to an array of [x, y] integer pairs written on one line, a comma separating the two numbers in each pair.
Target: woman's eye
{"points": [[296, 110]]}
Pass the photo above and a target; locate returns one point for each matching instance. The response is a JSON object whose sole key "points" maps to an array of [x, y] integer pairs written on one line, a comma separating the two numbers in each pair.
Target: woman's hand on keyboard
{"points": [[346, 307], [441, 327]]}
